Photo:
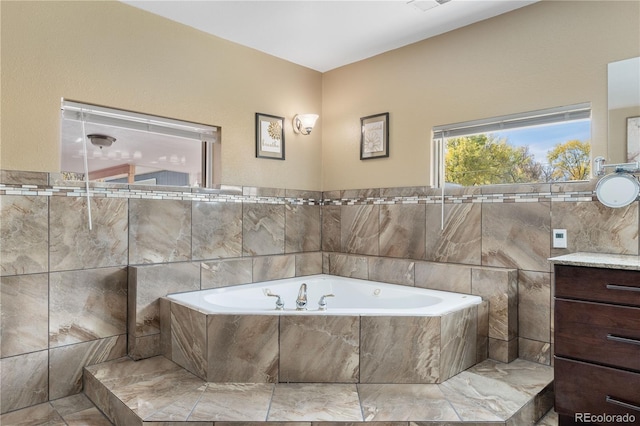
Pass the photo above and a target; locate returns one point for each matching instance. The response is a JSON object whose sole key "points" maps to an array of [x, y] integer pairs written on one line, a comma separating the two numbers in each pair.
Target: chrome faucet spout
{"points": [[301, 301]]}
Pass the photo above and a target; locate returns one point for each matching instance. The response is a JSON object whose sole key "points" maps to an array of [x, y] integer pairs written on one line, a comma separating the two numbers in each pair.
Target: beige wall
{"points": [[111, 54], [618, 132], [548, 54]]}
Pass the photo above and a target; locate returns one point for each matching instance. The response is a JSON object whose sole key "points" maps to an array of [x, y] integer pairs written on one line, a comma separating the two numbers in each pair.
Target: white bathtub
{"points": [[351, 297]]}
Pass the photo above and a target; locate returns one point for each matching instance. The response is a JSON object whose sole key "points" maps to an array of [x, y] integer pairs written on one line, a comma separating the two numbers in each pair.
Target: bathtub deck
{"points": [[157, 390]]}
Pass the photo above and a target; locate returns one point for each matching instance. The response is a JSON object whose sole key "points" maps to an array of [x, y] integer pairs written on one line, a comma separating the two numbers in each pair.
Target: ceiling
{"points": [[323, 35]]}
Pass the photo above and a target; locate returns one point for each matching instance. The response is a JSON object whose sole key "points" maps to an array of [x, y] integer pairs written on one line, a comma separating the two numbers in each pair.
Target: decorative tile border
{"points": [[53, 185]]}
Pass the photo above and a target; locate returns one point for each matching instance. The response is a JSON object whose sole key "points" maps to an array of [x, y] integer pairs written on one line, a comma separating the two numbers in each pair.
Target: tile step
{"points": [[156, 390]]}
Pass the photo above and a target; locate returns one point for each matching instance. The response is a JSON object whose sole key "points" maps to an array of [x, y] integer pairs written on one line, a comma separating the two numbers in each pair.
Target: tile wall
{"points": [[65, 288]]}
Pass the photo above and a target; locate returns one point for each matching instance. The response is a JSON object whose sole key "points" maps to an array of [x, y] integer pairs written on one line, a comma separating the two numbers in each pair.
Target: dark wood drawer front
{"points": [[586, 388], [598, 285], [606, 334]]}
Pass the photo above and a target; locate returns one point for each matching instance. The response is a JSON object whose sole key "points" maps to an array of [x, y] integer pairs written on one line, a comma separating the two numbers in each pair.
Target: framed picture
{"points": [[374, 140], [269, 136], [633, 139]]}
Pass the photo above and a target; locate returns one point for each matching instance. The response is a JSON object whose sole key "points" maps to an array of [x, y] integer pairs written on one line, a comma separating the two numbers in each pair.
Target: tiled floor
{"points": [[157, 391]]}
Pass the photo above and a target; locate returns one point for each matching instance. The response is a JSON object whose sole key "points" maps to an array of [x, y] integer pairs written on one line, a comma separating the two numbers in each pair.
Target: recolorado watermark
{"points": [[604, 418]]}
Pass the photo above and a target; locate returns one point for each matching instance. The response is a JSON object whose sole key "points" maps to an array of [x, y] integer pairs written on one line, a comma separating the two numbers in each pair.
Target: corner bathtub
{"points": [[351, 297], [371, 332]]}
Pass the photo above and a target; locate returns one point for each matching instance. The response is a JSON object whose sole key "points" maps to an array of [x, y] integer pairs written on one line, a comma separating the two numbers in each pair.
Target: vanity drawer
{"points": [[607, 334], [586, 388], [598, 285]]}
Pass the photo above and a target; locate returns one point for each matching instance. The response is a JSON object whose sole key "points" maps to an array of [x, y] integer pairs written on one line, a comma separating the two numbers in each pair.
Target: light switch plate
{"points": [[559, 238]]}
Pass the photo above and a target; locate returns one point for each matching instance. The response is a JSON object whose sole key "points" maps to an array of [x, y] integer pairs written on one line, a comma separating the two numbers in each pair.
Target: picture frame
{"points": [[633, 139], [269, 136], [374, 137]]}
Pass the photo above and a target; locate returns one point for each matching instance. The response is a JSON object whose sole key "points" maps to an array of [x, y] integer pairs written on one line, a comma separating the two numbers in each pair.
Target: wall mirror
{"points": [[118, 146], [624, 109]]}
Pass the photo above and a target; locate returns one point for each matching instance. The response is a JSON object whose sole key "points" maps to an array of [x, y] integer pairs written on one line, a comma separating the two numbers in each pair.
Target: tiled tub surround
{"points": [[345, 346], [31, 231]]}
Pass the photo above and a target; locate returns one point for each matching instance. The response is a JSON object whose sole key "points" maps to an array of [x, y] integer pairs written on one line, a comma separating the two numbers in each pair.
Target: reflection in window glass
{"points": [[128, 147]]}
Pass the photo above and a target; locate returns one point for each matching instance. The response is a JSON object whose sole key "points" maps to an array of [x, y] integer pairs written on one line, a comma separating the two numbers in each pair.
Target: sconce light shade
{"points": [[303, 123]]}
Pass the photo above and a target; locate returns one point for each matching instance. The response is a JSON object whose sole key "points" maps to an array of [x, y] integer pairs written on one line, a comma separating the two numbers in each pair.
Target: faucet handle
{"points": [[279, 302], [322, 304]]}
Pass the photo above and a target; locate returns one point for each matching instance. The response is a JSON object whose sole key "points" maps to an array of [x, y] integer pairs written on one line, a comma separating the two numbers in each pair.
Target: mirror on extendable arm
{"points": [[620, 188]]}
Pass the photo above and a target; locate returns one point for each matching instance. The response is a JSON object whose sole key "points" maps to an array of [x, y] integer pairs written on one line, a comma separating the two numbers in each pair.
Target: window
{"points": [[548, 145], [112, 145]]}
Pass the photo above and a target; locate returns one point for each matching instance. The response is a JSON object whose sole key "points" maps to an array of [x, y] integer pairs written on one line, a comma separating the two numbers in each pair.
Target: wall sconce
{"points": [[303, 123]]}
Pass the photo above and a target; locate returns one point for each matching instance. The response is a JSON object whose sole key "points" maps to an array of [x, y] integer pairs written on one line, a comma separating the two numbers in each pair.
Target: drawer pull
{"points": [[623, 339], [622, 287], [614, 401]]}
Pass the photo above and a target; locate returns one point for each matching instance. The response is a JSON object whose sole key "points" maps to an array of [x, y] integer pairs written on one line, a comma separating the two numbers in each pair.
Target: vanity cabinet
{"points": [[597, 342]]}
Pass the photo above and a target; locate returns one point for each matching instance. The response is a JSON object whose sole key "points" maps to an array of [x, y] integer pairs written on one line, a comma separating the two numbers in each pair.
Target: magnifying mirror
{"points": [[618, 190]]}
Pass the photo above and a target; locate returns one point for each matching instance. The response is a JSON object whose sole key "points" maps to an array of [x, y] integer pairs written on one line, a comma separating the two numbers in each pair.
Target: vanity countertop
{"points": [[599, 260]]}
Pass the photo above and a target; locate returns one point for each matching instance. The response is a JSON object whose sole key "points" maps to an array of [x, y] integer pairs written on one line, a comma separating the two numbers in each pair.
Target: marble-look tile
{"points": [[19, 177], [331, 236], [534, 305], [443, 276], [253, 356], [459, 333], [399, 349], [461, 239], [90, 416], [171, 393], [315, 402], [503, 350], [258, 191], [320, 349], [262, 229], [350, 266], [525, 377], [189, 339], [393, 271], [478, 398], [87, 305], [359, 229], [25, 381], [417, 402], [147, 284], [66, 363], [500, 288], [79, 410], [217, 230], [609, 231], [302, 228], [403, 230], [41, 414], [268, 268], [73, 246], [533, 350], [303, 194], [190, 424], [550, 419], [24, 231], [517, 188], [159, 231], [226, 272], [238, 402], [144, 347], [308, 264], [404, 191], [482, 343], [24, 312], [72, 404], [517, 235]]}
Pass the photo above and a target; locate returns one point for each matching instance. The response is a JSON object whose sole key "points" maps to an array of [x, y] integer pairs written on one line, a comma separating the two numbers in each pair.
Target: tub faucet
{"points": [[301, 301]]}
